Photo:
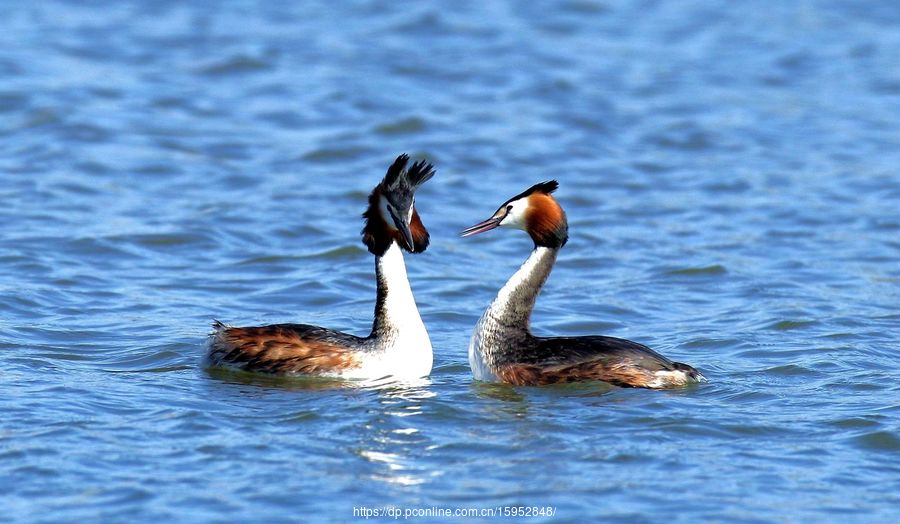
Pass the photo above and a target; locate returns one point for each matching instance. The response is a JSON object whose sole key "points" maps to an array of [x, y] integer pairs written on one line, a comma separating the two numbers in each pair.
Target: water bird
{"points": [[502, 348], [398, 345]]}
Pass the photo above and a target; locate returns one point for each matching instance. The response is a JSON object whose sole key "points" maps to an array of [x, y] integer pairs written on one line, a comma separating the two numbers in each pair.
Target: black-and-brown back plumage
{"points": [[284, 348], [551, 360]]}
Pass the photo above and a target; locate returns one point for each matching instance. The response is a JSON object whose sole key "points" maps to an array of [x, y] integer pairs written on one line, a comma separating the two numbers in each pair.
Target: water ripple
{"points": [[730, 183]]}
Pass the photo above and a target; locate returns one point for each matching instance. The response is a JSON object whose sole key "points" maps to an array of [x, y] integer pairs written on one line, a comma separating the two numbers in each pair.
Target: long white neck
{"points": [[400, 346], [515, 301], [504, 324], [395, 307]]}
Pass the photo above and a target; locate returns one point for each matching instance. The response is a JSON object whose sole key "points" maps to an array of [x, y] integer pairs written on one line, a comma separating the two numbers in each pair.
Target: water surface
{"points": [[730, 177]]}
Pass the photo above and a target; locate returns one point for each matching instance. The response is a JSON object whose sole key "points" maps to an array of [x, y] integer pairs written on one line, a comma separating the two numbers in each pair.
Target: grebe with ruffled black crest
{"points": [[398, 345]]}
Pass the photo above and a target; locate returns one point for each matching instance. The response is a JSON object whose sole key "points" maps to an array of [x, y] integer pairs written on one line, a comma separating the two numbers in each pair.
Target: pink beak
{"points": [[481, 227]]}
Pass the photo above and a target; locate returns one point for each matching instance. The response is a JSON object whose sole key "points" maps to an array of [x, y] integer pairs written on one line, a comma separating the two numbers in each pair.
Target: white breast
{"points": [[480, 368], [405, 361], [403, 349]]}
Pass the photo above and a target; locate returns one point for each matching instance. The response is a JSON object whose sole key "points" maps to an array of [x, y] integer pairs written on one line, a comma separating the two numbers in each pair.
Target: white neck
{"points": [[395, 308], [400, 347], [516, 298], [506, 320], [397, 320]]}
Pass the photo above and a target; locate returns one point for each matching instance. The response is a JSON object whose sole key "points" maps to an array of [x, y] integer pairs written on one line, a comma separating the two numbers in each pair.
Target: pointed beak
{"points": [[481, 227], [403, 228]]}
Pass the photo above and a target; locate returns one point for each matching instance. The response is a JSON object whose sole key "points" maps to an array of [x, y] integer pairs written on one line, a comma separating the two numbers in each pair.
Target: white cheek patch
{"points": [[515, 218]]}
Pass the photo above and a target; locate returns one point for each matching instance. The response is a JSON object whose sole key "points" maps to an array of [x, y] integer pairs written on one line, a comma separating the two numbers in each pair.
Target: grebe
{"points": [[398, 345], [503, 349]]}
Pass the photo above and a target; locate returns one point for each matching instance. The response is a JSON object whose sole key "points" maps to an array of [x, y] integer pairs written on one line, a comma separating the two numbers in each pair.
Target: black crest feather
{"points": [[396, 170], [545, 187], [419, 173]]}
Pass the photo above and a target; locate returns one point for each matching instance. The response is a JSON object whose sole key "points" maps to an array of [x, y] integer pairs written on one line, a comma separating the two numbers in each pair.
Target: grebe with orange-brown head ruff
{"points": [[398, 345], [503, 349]]}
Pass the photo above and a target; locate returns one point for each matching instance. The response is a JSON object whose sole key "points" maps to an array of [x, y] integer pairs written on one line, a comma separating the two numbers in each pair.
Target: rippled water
{"points": [[730, 176]]}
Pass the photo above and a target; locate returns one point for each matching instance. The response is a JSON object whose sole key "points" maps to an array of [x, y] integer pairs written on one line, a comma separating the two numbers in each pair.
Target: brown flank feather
{"points": [[532, 375], [279, 349]]}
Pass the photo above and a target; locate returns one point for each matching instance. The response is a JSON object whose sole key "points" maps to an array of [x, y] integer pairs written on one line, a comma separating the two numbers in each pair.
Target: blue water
{"points": [[730, 173]]}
